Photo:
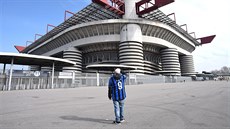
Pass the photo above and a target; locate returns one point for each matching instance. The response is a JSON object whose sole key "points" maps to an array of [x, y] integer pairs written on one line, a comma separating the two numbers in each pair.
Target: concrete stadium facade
{"points": [[152, 46]]}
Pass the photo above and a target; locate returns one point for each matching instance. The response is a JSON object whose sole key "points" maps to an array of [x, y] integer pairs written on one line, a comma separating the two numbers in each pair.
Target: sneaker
{"points": [[122, 121], [117, 122]]}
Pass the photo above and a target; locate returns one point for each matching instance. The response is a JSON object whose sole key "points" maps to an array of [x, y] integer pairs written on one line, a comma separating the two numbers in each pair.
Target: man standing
{"points": [[116, 91]]}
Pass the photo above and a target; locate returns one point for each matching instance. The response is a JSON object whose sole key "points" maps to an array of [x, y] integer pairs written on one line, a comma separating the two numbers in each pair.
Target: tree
{"points": [[223, 70]]}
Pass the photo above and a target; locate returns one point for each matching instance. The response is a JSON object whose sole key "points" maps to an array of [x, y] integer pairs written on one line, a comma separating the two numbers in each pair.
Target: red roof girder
{"points": [[158, 4], [161, 3], [105, 1], [118, 2], [119, 10], [47, 27], [20, 48], [174, 16], [207, 39]]}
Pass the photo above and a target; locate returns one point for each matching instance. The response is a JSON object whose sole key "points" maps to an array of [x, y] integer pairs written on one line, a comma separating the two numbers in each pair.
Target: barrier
{"points": [[26, 80]]}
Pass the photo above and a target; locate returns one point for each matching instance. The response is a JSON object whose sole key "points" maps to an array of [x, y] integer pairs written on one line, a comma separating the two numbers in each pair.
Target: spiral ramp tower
{"points": [[73, 54], [131, 47], [187, 65], [170, 61]]}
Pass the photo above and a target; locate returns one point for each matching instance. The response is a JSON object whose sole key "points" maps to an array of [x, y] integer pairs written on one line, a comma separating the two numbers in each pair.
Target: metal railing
{"points": [[26, 80]]}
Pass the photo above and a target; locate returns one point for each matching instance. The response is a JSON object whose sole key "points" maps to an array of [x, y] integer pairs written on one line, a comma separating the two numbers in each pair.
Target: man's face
{"points": [[117, 76]]}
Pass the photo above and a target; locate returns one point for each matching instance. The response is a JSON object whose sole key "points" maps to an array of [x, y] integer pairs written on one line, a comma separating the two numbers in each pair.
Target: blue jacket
{"points": [[117, 88]]}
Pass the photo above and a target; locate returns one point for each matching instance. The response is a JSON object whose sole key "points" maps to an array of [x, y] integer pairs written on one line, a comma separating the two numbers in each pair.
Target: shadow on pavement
{"points": [[77, 118]]}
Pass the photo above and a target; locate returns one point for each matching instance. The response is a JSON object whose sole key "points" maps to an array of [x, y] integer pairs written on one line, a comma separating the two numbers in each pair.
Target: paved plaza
{"points": [[189, 105]]}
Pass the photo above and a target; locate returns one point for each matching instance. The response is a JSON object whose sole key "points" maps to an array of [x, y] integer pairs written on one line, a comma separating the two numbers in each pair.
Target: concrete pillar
{"points": [[98, 79], [4, 77], [170, 61], [11, 72], [131, 47], [187, 65], [130, 9], [75, 55], [73, 77], [4, 69], [52, 76]]}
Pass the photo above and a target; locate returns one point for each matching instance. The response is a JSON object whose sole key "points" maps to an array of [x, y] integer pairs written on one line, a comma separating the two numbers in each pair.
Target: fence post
{"points": [[52, 78], [11, 71], [98, 79], [73, 77]]}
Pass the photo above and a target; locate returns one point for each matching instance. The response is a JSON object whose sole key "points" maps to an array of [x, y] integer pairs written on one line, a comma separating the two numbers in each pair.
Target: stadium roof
{"points": [[158, 15], [95, 12], [92, 12], [28, 59]]}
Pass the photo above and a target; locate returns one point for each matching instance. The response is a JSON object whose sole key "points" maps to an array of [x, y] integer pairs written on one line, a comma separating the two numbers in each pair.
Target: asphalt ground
{"points": [[189, 105]]}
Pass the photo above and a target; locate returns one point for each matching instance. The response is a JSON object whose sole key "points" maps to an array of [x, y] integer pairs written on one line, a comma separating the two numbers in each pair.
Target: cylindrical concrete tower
{"points": [[130, 9], [75, 55], [170, 60], [131, 47], [187, 65]]}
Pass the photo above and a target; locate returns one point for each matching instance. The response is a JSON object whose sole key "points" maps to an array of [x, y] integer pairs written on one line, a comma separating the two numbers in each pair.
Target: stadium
{"points": [[133, 33]]}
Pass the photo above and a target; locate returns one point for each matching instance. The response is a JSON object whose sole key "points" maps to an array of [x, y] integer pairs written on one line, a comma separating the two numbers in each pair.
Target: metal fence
{"points": [[27, 80]]}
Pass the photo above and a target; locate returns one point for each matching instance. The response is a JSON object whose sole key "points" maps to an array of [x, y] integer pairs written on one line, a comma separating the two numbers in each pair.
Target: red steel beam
{"points": [[161, 3], [105, 1], [174, 16], [66, 11], [142, 2], [207, 39], [157, 4], [19, 48], [118, 10], [194, 34], [118, 2], [186, 28], [35, 37], [147, 10], [47, 27], [28, 42]]}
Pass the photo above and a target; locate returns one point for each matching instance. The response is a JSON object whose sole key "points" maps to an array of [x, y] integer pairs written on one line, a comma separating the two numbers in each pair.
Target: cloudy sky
{"points": [[206, 17], [21, 19]]}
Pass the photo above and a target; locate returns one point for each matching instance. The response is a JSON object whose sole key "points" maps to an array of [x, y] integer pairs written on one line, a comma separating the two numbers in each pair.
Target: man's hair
{"points": [[117, 70]]}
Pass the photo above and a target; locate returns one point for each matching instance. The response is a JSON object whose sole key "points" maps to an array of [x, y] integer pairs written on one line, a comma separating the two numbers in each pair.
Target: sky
{"points": [[20, 20]]}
